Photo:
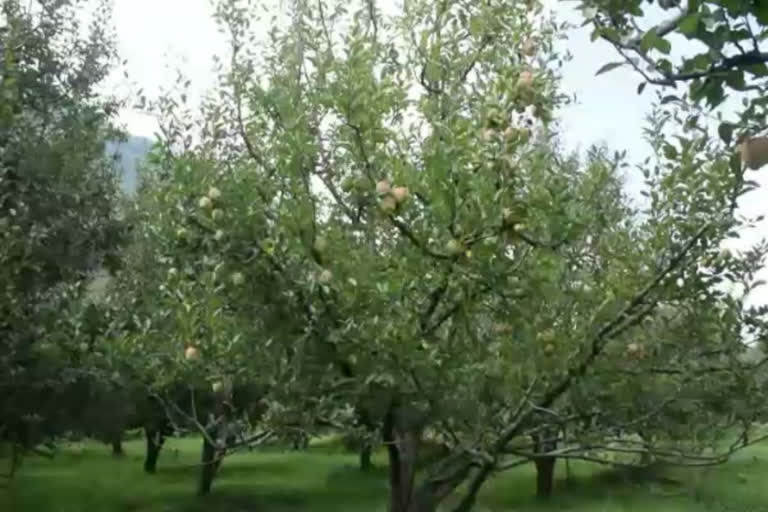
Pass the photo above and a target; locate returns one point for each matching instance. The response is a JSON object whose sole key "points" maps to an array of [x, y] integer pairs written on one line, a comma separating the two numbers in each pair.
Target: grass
{"points": [[85, 478]]}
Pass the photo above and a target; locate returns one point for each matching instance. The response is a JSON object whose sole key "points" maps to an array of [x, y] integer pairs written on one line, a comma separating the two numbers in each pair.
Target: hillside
{"points": [[130, 153]]}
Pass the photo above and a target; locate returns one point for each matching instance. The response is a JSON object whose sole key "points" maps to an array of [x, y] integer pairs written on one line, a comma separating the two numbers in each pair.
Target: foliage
{"points": [[712, 47], [360, 225], [58, 222]]}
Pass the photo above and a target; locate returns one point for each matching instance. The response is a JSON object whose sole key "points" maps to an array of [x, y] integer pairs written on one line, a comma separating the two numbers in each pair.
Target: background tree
{"points": [[57, 210]]}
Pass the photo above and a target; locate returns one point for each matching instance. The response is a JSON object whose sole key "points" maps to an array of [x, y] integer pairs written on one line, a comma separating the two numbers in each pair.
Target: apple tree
{"points": [[58, 221], [372, 217]]}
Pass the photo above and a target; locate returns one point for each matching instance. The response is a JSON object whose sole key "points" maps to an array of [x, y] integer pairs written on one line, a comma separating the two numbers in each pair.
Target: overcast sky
{"points": [[157, 37]]}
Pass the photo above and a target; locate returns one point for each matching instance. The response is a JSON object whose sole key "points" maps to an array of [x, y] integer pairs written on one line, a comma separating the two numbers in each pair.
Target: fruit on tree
{"points": [[348, 184], [238, 278], [525, 80], [529, 47], [217, 387], [454, 247], [400, 194], [754, 152], [217, 214], [205, 203], [507, 216], [325, 276], [636, 350], [489, 134], [191, 353], [383, 187], [321, 244], [388, 204], [214, 193]]}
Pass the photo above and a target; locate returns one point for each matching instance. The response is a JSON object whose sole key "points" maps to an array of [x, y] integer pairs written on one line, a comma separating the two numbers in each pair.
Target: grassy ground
{"points": [[85, 478]]}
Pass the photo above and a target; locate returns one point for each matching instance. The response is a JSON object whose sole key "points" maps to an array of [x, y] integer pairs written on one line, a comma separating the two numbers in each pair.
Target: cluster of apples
{"points": [[208, 203], [390, 197]]}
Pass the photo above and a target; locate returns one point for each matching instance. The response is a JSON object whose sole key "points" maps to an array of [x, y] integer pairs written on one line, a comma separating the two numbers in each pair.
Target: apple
{"points": [[388, 205], [172, 272], [525, 79], [321, 244], [549, 349], [219, 235], [454, 247], [400, 194], [507, 216], [217, 214], [529, 47], [237, 279], [182, 233], [191, 353], [217, 387], [325, 276], [383, 188], [348, 184], [754, 152], [205, 203], [489, 134], [636, 350], [214, 193]]}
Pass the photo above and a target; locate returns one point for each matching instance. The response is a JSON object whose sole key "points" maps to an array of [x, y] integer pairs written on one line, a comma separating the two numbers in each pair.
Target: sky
{"points": [[158, 37]]}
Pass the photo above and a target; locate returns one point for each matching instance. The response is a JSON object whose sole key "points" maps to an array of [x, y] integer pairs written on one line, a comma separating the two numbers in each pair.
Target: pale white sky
{"points": [[157, 37]]}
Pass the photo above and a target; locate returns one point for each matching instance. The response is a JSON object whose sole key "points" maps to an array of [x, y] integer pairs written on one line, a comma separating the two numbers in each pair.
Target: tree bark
{"points": [[155, 440], [210, 461], [365, 457], [401, 440], [545, 465], [545, 476], [117, 447]]}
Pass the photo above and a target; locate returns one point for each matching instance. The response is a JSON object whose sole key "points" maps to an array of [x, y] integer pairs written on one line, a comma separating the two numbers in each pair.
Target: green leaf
{"points": [[651, 40], [670, 151], [669, 99], [761, 12], [759, 69], [725, 130], [735, 79], [735, 162], [609, 67], [689, 25], [641, 87]]}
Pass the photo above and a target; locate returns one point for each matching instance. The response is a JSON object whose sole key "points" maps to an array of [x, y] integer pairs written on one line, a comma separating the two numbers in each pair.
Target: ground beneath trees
{"points": [[85, 478]]}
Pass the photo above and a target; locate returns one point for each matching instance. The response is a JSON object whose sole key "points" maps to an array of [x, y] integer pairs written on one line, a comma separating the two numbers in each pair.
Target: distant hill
{"points": [[131, 153]]}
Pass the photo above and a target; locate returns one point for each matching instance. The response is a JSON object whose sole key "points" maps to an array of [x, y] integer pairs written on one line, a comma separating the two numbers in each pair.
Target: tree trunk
{"points": [[155, 440], [365, 457], [402, 441], [545, 464], [209, 464], [117, 447], [646, 458], [545, 476]]}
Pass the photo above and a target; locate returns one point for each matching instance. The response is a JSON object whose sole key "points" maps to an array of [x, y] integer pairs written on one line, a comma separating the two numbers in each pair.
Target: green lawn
{"points": [[86, 478]]}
